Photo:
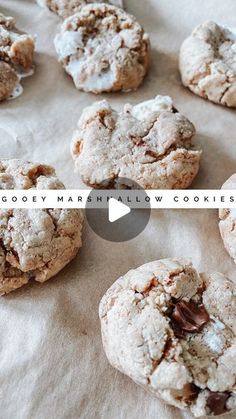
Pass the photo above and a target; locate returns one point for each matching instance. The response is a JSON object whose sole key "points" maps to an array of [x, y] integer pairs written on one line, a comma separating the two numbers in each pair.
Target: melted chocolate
{"points": [[217, 402], [189, 317]]}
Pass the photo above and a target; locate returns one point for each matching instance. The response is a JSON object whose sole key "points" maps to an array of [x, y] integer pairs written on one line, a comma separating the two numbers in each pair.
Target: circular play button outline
{"points": [[118, 215]]}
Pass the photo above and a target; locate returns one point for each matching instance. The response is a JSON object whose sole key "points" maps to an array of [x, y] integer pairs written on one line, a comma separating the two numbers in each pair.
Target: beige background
{"points": [[51, 360]]}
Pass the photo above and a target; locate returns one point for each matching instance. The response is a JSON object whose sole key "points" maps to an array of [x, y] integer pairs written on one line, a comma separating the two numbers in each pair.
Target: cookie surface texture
{"points": [[66, 8], [227, 223], [103, 49], [173, 332], [16, 57], [208, 63], [34, 243], [150, 143]]}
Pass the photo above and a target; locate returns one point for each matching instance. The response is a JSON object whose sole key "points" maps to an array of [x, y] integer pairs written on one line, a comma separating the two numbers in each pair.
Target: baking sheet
{"points": [[51, 359]]}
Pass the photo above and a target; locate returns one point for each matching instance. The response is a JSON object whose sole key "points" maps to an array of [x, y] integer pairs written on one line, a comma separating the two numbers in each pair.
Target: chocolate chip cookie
{"points": [[34, 243], [227, 223], [173, 331], [66, 8], [208, 63], [16, 57], [104, 49], [150, 143]]}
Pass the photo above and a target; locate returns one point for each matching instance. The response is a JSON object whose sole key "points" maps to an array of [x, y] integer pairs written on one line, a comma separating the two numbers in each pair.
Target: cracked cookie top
{"points": [[34, 243], [16, 47], [227, 223], [18, 174], [173, 332], [66, 8], [208, 63], [150, 143], [16, 57], [104, 49]]}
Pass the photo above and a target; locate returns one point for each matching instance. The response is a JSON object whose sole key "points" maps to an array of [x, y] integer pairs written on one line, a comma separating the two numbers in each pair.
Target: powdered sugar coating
{"points": [[140, 340], [150, 143], [227, 223], [66, 8], [104, 49], [208, 63], [16, 57], [34, 243]]}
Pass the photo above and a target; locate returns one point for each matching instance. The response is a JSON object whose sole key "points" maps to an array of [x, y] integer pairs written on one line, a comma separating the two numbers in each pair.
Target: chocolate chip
{"points": [[179, 333], [189, 316], [217, 402], [190, 393], [174, 110]]}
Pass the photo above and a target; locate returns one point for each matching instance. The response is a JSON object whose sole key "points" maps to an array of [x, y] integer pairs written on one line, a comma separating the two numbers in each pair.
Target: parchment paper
{"points": [[52, 364]]}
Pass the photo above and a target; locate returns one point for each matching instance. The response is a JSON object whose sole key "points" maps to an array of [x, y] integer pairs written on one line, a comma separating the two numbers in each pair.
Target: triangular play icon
{"points": [[117, 210]]}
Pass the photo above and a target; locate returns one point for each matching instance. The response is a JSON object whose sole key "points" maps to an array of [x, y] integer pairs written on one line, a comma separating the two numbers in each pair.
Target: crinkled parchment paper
{"points": [[52, 364]]}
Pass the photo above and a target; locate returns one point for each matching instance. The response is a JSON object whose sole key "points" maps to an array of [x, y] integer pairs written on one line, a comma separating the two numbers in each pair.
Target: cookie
{"points": [[34, 243], [8, 81], [66, 8], [208, 63], [150, 143], [227, 222], [104, 49], [173, 332], [16, 57]]}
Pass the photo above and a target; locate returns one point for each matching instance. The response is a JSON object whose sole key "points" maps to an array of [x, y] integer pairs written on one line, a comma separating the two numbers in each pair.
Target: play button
{"points": [[118, 215], [117, 210]]}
